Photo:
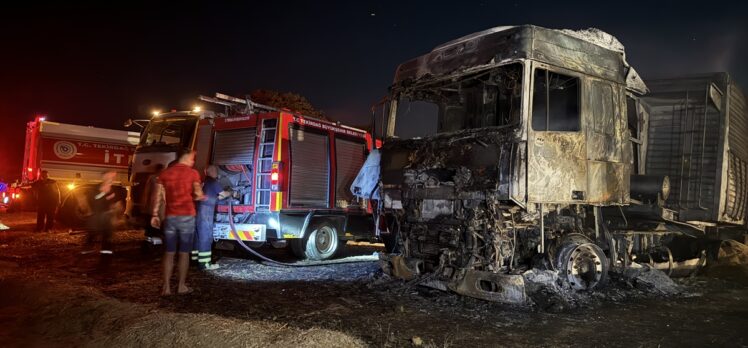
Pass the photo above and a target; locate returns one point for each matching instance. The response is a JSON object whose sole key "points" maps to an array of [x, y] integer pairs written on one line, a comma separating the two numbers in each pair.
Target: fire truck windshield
{"points": [[174, 131]]}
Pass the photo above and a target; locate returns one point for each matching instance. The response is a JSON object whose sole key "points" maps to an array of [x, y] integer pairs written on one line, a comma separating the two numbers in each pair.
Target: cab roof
{"points": [[591, 51]]}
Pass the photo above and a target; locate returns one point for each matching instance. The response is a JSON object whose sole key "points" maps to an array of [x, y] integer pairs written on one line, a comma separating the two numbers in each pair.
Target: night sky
{"points": [[99, 65]]}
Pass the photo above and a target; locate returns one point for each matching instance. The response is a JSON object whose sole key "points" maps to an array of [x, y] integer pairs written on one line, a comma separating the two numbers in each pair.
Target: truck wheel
{"points": [[584, 266], [320, 244]]}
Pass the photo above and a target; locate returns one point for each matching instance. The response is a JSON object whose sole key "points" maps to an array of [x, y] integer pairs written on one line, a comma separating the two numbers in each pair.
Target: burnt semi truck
{"points": [[524, 147], [289, 175]]}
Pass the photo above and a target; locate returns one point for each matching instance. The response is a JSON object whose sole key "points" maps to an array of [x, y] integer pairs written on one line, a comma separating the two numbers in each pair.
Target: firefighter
{"points": [[103, 210], [201, 253], [47, 195]]}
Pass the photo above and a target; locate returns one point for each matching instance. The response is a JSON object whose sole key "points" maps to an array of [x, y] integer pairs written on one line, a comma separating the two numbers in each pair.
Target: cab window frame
{"points": [[532, 101]]}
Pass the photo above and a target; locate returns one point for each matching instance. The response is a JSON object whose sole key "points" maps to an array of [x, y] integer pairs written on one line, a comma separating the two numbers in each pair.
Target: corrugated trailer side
{"points": [[697, 137], [735, 175]]}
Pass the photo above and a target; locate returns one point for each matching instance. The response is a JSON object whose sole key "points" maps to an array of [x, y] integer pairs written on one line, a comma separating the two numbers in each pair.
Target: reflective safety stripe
{"points": [[203, 260], [204, 253], [194, 255], [243, 235]]}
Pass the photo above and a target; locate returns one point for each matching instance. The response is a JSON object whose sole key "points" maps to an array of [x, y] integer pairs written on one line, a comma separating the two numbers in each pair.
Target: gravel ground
{"points": [[357, 301]]}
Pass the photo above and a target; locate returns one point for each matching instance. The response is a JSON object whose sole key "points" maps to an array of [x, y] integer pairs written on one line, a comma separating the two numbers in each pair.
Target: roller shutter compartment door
{"points": [[349, 158], [236, 146], [310, 169]]}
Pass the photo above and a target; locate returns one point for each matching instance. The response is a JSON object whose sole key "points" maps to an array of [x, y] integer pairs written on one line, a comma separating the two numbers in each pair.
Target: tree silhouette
{"points": [[287, 100]]}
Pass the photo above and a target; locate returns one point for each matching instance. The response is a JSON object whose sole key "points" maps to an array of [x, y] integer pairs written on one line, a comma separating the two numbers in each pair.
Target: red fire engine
{"points": [[76, 157], [290, 175]]}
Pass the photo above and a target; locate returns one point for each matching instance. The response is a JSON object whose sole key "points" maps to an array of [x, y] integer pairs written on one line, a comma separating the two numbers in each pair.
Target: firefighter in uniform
{"points": [[201, 253], [47, 201]]}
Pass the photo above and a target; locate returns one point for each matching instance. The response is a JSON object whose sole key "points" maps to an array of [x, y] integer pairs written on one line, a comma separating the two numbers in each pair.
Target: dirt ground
{"points": [[51, 296]]}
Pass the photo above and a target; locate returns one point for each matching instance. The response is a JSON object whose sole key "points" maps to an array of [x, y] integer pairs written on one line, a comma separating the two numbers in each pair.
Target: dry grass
{"points": [[49, 312]]}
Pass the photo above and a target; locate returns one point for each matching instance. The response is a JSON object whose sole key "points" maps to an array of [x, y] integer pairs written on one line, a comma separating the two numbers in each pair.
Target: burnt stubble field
{"points": [[52, 296]]}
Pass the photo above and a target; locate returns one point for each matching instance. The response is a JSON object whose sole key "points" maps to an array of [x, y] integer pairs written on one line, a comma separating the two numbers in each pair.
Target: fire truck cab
{"points": [[289, 176]]}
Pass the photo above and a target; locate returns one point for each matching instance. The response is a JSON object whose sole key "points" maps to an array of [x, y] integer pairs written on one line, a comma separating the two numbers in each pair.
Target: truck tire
{"points": [[322, 243]]}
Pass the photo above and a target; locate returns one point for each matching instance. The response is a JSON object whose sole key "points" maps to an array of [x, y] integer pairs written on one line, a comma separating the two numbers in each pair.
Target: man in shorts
{"points": [[181, 186]]}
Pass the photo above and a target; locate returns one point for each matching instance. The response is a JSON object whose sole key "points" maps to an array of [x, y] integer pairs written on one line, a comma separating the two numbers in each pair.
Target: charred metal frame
{"points": [[474, 207]]}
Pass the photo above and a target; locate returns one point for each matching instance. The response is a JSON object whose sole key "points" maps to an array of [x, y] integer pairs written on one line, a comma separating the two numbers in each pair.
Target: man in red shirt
{"points": [[181, 186]]}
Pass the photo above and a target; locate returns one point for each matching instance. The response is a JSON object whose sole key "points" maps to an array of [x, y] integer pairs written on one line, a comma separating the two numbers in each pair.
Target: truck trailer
{"points": [[698, 137], [289, 175], [76, 157], [524, 147]]}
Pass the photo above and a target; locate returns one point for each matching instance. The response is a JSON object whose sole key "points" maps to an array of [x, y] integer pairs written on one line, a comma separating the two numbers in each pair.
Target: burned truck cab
{"points": [[500, 147]]}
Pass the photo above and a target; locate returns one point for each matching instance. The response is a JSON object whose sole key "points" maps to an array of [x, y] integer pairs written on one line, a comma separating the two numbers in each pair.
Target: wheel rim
{"points": [[325, 240], [583, 265]]}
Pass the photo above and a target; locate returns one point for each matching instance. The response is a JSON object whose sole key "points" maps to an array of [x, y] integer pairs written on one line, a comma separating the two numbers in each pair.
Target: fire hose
{"points": [[279, 263]]}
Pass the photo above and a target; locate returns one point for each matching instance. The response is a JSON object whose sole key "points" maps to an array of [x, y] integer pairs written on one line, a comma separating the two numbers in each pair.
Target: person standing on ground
{"points": [[102, 209], [47, 195], [181, 186], [205, 213], [152, 197]]}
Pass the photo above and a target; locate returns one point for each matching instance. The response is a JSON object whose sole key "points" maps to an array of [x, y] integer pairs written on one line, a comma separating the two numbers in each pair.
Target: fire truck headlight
{"points": [[71, 186], [197, 109], [6, 199]]}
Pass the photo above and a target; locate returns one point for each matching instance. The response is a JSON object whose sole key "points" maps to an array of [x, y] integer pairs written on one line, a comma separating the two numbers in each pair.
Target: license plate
{"points": [[245, 232]]}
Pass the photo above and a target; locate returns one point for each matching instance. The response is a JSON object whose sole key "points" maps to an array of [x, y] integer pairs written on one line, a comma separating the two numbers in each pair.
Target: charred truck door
{"points": [[575, 150], [608, 146], [556, 169]]}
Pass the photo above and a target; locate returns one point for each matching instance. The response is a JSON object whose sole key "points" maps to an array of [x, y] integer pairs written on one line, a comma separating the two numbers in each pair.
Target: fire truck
{"points": [[76, 157], [290, 175]]}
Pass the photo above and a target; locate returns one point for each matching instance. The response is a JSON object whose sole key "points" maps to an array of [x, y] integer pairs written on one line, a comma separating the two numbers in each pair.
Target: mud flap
{"points": [[491, 287]]}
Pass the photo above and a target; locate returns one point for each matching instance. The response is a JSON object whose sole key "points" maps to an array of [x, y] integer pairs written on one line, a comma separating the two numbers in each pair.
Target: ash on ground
{"points": [[357, 269]]}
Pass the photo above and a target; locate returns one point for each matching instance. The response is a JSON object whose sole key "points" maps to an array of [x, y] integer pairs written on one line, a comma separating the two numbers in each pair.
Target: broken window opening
{"points": [[416, 118], [555, 102], [490, 98]]}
